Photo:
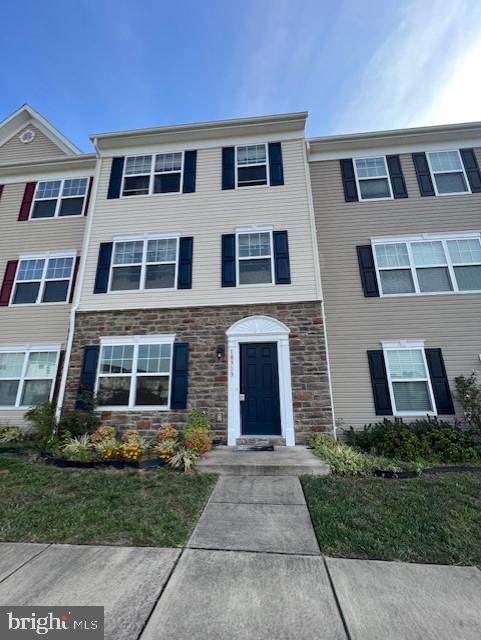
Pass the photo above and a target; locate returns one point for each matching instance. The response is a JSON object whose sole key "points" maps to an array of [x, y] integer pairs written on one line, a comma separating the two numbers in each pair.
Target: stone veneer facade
{"points": [[204, 328]]}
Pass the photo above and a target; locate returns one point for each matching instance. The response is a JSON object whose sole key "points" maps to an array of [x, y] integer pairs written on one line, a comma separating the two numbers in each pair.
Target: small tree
{"points": [[468, 392]]}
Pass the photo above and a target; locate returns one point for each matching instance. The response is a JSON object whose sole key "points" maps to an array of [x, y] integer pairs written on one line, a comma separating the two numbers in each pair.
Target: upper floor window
{"points": [[254, 264], [43, 279], [438, 265], [448, 174], [26, 376], [147, 263], [372, 178], [144, 175], [135, 374], [409, 382], [59, 198], [251, 161]]}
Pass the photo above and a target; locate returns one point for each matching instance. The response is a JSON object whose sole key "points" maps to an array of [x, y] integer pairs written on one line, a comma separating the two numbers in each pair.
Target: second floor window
{"points": [[144, 175], [448, 172], [59, 198], [43, 280], [254, 262], [251, 165], [372, 178], [149, 263], [441, 265]]}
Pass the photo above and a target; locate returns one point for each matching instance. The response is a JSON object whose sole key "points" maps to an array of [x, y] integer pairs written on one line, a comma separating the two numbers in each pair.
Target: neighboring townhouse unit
{"points": [[398, 217], [44, 187], [200, 283]]}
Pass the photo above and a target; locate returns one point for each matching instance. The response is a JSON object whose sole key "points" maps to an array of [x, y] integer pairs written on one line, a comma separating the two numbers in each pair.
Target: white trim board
{"points": [[259, 329]]}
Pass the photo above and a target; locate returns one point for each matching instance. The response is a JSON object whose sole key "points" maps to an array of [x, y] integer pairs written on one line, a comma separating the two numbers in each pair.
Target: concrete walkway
{"points": [[251, 570]]}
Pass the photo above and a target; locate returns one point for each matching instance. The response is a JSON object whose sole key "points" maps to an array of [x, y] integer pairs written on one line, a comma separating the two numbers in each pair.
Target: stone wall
{"points": [[204, 329]]}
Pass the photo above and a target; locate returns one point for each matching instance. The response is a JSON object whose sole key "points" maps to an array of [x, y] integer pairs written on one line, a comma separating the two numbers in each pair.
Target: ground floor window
{"points": [[409, 381], [27, 376], [135, 372]]}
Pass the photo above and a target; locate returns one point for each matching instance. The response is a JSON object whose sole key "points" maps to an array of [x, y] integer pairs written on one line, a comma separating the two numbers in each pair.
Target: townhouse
{"points": [[200, 283], [44, 191], [398, 216]]}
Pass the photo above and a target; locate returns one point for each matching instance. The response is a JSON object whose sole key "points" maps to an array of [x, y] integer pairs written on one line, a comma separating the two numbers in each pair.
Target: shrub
{"points": [[132, 436], [184, 459], [78, 422], [107, 449], [10, 435], [166, 449], [343, 459], [429, 439], [78, 449], [468, 392], [197, 421], [166, 432], [42, 419], [102, 434]]}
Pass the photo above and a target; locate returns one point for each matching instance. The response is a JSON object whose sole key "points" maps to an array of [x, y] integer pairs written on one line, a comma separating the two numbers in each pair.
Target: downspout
{"points": [[78, 288], [317, 271]]}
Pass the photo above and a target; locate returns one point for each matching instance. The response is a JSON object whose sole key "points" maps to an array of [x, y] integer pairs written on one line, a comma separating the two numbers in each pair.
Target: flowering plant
{"points": [[103, 433], [166, 449], [198, 441], [130, 451], [166, 432]]}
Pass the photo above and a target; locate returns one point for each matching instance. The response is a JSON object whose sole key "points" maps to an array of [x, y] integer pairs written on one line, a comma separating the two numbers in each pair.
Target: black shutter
{"points": [[397, 178], [180, 375], [115, 183], [87, 376], [348, 180], [472, 169], [190, 165], [228, 168], [228, 260], [439, 382], [103, 267], [380, 387], [368, 271], [423, 174], [276, 171], [281, 258], [184, 279]]}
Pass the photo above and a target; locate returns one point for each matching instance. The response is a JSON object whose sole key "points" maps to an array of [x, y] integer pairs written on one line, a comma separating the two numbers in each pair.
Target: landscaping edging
{"points": [[423, 472], [102, 464]]}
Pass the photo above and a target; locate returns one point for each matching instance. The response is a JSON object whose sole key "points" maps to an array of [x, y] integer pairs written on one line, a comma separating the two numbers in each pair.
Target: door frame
{"points": [[259, 329]]}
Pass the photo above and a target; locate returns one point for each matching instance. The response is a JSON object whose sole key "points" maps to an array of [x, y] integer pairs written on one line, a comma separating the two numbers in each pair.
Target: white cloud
{"points": [[425, 72]]}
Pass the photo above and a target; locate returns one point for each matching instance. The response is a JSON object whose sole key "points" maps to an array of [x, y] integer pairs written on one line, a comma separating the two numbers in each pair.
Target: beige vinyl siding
{"points": [[41, 147], [355, 323], [206, 215]]}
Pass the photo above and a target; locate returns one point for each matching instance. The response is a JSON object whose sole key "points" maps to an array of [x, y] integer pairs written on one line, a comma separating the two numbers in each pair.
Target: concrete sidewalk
{"points": [[251, 570]]}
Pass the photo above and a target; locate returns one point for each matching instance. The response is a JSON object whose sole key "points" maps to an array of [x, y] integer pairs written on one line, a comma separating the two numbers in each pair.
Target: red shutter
{"points": [[74, 278], [8, 280], [27, 201], [58, 378], [89, 191]]}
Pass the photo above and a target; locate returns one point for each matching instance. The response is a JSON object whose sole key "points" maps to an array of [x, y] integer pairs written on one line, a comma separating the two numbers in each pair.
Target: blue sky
{"points": [[102, 65]]}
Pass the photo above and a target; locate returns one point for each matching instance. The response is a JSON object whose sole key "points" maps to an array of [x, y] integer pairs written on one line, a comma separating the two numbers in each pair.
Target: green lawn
{"points": [[41, 503], [434, 519]]}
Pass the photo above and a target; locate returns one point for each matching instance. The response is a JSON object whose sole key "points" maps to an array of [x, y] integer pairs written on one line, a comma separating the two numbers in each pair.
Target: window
{"points": [[448, 173], [60, 198], [409, 382], [372, 178], [144, 175], [438, 265], [149, 263], [135, 374], [251, 165], [26, 377], [254, 264], [43, 279]]}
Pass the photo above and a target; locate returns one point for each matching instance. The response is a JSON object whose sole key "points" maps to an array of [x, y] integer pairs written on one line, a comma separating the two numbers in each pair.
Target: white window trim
{"points": [[408, 345], [43, 280], [26, 350], [257, 164], [135, 341], [151, 175], [143, 265], [434, 173], [60, 198], [444, 237], [246, 231], [358, 179]]}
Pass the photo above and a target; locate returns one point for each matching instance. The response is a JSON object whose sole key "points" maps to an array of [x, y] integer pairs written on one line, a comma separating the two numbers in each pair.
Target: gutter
{"points": [[80, 280]]}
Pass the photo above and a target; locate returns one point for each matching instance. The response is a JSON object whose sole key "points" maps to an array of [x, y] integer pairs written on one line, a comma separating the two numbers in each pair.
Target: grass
{"points": [[433, 519], [41, 503]]}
